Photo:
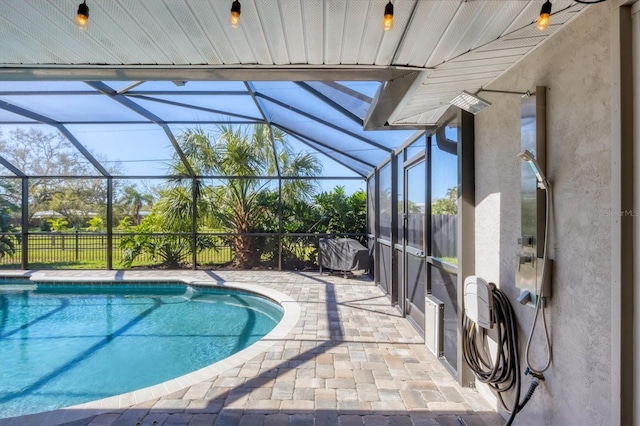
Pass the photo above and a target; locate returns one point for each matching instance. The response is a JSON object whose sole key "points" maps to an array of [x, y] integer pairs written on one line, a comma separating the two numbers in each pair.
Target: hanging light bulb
{"points": [[234, 18], [82, 18], [387, 21], [545, 16]]}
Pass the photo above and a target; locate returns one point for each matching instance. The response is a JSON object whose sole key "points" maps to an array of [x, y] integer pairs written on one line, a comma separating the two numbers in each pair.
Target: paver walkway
{"points": [[350, 360]]}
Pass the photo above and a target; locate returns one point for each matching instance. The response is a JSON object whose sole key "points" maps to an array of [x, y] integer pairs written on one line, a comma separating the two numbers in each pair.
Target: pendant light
{"points": [[545, 16], [234, 18], [387, 21], [82, 17]]}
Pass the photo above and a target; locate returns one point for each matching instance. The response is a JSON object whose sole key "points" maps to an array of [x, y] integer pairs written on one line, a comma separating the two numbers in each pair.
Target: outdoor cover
{"points": [[342, 254]]}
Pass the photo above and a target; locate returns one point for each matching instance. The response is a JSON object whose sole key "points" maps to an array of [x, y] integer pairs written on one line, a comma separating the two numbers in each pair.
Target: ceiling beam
{"points": [[110, 92], [13, 169], [333, 104], [299, 136], [189, 106], [67, 134], [324, 122], [342, 163], [303, 72], [391, 99], [252, 92], [110, 122]]}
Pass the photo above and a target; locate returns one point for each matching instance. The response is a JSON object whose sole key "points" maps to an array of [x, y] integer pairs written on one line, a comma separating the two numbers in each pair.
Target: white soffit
{"points": [[462, 44], [453, 71]]}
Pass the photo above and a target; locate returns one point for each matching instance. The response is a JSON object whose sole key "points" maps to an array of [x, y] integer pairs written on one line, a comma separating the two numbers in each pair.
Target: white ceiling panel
{"points": [[428, 23], [504, 14], [530, 13], [475, 18], [294, 30], [471, 62], [465, 44], [464, 17], [271, 19], [357, 12], [227, 45], [335, 23], [314, 30], [388, 42], [466, 71]]}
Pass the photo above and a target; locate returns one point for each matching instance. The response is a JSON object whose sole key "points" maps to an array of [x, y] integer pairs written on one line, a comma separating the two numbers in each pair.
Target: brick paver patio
{"points": [[350, 360]]}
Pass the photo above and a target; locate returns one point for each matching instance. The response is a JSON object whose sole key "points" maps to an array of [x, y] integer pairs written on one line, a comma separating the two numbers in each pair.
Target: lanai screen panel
{"points": [[5, 172], [127, 150], [357, 166], [354, 96], [41, 150], [16, 119], [65, 108], [230, 99], [298, 99], [334, 138], [330, 167]]}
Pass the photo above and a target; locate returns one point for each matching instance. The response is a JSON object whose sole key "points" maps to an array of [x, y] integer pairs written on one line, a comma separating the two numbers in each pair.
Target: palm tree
{"points": [[133, 200], [8, 240], [237, 204]]}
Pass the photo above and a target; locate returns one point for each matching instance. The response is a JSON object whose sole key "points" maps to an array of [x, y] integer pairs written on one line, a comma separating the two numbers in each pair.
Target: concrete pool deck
{"points": [[349, 359]]}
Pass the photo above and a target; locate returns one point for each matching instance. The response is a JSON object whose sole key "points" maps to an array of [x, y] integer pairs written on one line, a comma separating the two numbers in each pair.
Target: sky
{"points": [[144, 149]]}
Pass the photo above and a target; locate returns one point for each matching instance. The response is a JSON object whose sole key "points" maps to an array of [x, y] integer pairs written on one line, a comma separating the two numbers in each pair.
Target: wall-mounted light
{"points": [[234, 18], [545, 16], [82, 17], [387, 21]]}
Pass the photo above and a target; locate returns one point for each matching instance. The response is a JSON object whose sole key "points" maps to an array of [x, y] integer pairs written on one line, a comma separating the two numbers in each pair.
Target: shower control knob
{"points": [[523, 259], [526, 240]]}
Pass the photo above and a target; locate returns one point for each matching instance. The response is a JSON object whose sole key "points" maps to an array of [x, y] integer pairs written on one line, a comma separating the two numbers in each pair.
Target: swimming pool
{"points": [[63, 344]]}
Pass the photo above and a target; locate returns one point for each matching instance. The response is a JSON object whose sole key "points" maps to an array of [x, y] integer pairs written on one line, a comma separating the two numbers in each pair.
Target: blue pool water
{"points": [[63, 345]]}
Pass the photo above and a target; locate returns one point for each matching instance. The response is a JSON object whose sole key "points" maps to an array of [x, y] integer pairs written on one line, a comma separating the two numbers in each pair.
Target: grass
{"points": [[89, 251]]}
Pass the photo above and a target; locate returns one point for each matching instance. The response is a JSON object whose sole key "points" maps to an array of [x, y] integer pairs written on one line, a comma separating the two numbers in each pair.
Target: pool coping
{"points": [[122, 401]]}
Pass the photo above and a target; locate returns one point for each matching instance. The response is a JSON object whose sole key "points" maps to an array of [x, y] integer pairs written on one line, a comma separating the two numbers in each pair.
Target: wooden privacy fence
{"points": [[444, 231]]}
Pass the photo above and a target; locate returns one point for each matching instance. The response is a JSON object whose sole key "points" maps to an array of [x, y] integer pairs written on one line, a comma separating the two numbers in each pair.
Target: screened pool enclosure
{"points": [[199, 174], [208, 175]]}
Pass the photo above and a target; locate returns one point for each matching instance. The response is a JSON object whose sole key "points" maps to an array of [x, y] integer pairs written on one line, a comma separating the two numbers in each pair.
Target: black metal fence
{"points": [[91, 250]]}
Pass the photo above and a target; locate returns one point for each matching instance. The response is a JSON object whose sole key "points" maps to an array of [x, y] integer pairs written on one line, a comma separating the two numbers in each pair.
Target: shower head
{"points": [[470, 102], [528, 157], [473, 103]]}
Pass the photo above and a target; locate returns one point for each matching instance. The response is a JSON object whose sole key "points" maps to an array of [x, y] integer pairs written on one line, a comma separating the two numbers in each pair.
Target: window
{"points": [[444, 194]]}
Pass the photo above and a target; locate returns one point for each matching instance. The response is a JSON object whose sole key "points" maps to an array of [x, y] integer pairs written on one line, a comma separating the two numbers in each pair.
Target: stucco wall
{"points": [[575, 66]]}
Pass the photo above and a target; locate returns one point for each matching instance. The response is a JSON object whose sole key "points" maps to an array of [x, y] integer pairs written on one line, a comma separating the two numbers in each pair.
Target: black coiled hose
{"points": [[503, 372]]}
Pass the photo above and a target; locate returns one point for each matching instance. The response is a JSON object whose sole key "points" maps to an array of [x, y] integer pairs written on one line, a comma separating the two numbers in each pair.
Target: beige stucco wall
{"points": [[575, 66]]}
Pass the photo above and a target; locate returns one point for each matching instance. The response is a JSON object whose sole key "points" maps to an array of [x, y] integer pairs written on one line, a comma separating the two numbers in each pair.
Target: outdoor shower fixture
{"points": [[534, 188], [527, 156], [533, 266], [473, 103]]}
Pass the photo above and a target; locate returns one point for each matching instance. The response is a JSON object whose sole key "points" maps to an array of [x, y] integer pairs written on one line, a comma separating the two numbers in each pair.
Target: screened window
{"points": [[385, 202], [444, 193]]}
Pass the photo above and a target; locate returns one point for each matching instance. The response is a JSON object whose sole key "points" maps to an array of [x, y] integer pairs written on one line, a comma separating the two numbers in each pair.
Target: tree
{"points": [[7, 240], [133, 201], [58, 224], [96, 224], [342, 213], [38, 153], [151, 237], [447, 205], [238, 205]]}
